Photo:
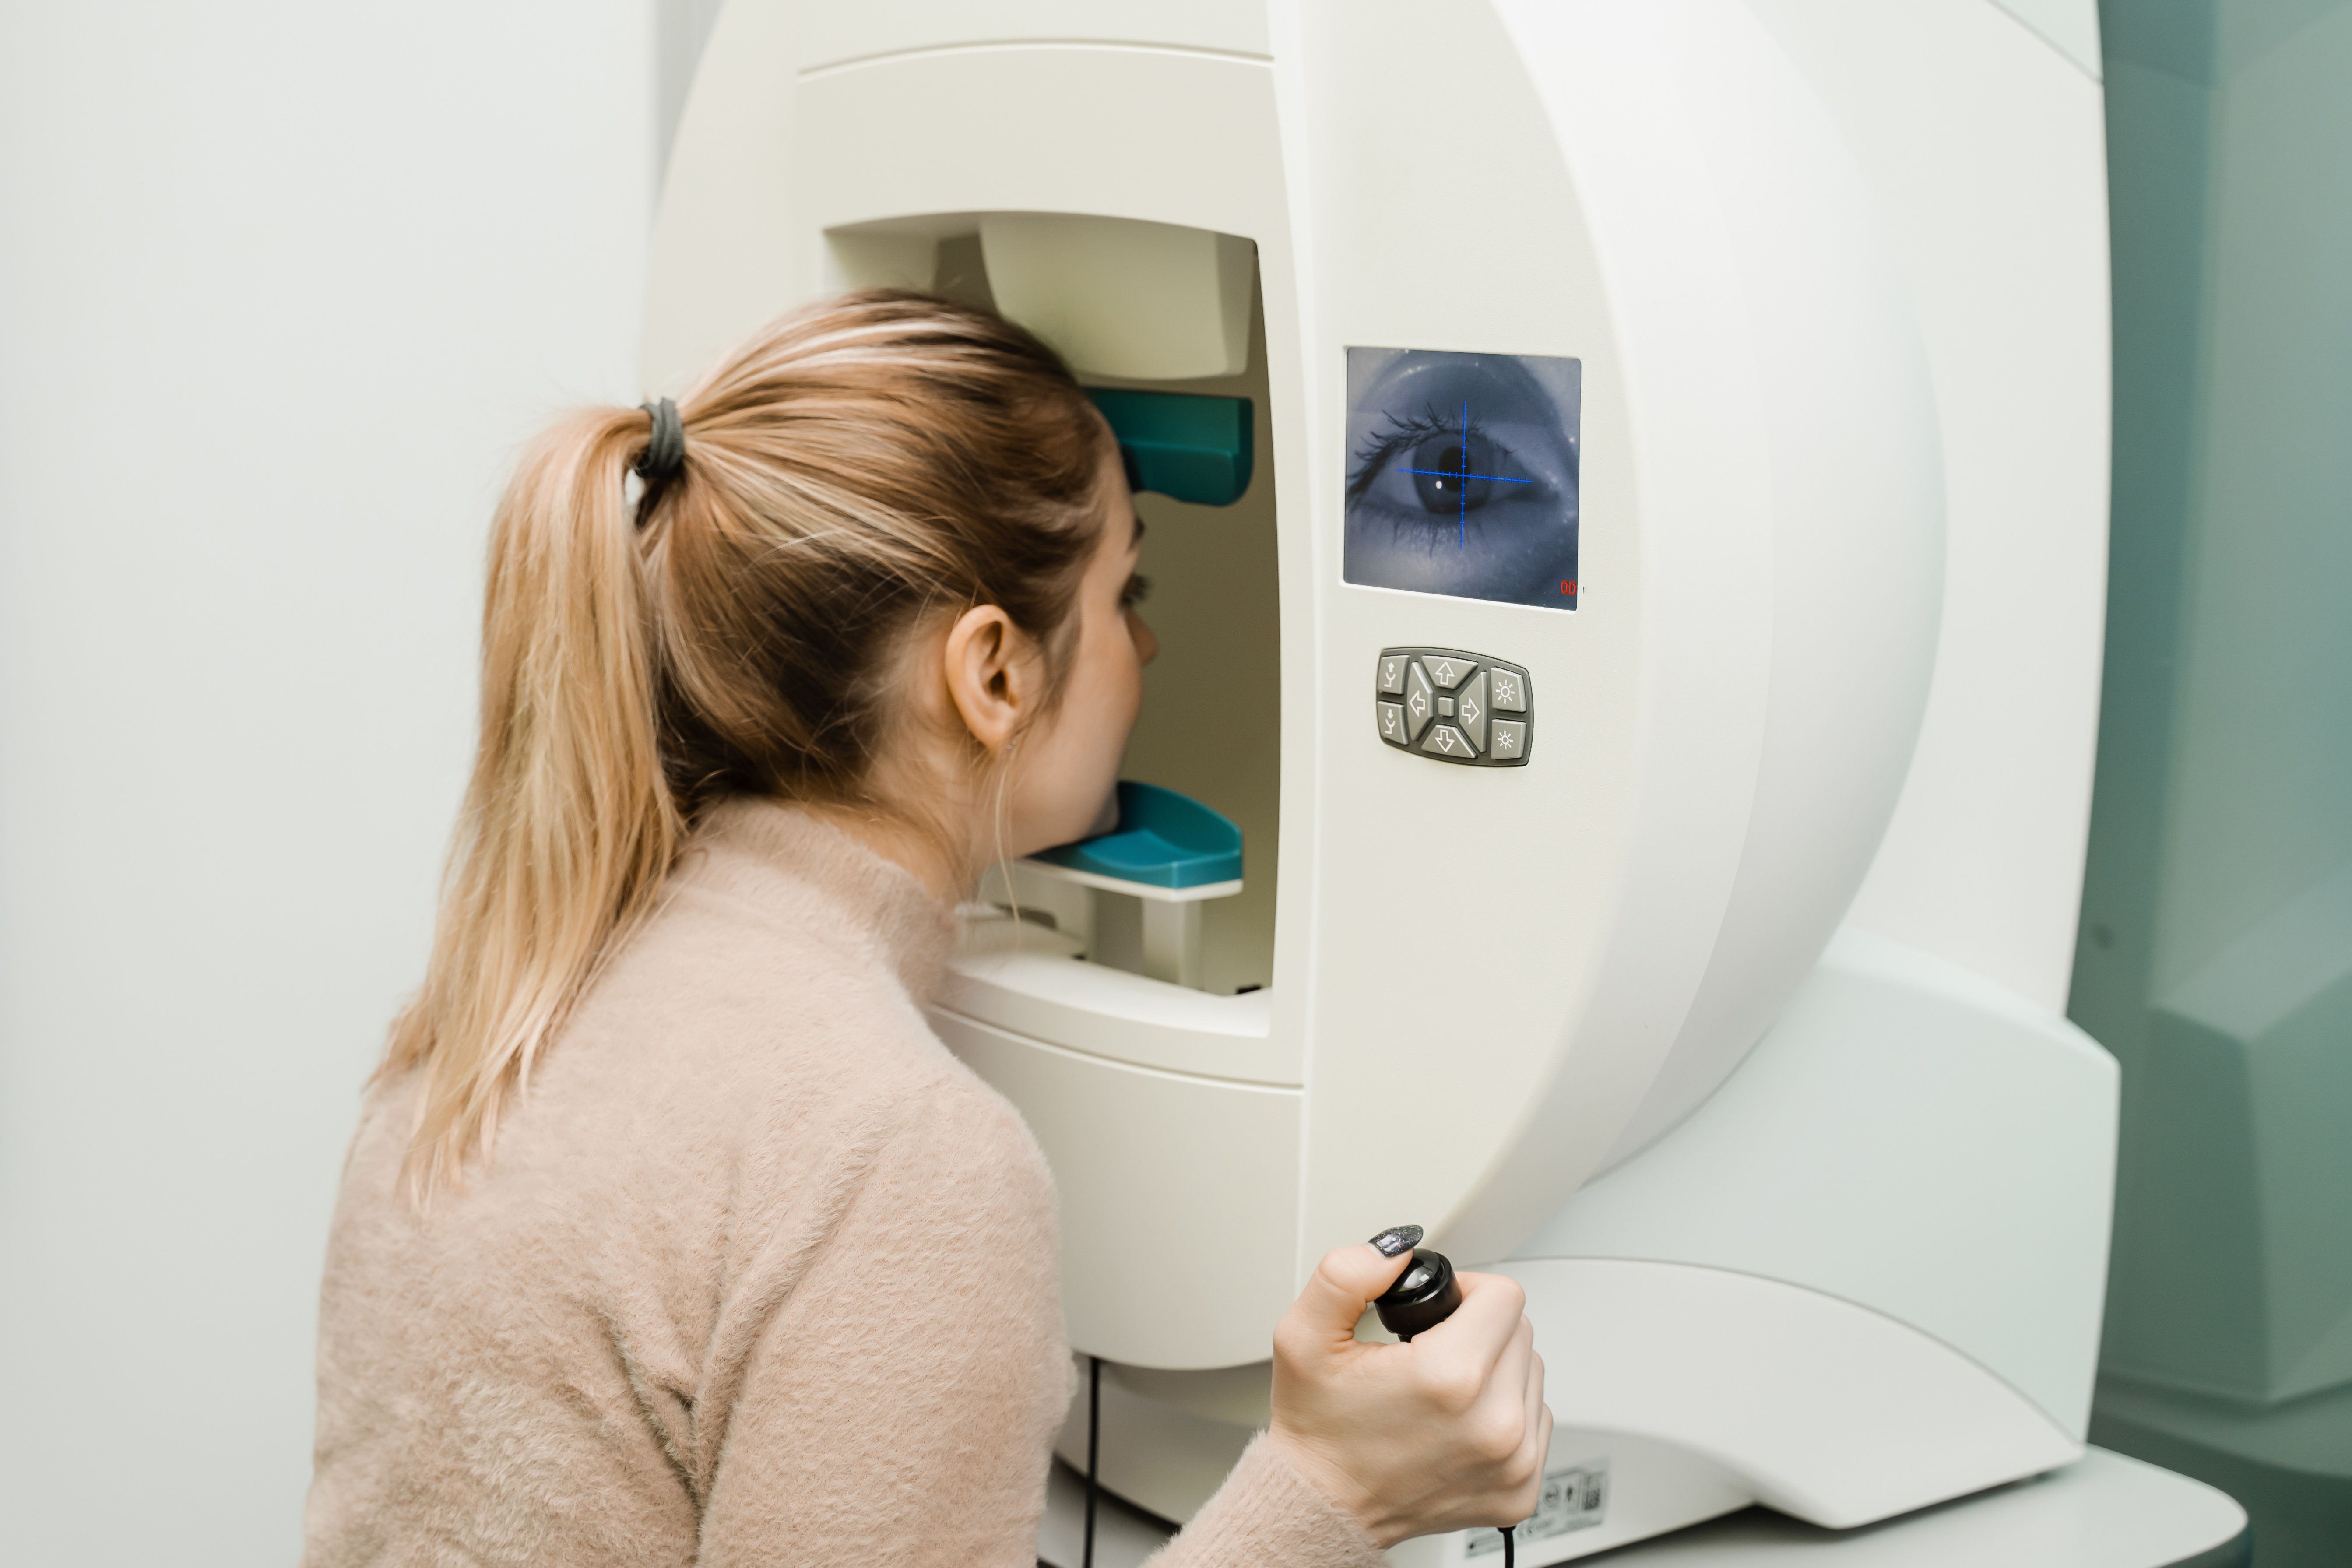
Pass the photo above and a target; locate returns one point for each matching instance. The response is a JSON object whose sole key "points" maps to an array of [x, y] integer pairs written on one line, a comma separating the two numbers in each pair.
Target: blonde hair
{"points": [[732, 632]]}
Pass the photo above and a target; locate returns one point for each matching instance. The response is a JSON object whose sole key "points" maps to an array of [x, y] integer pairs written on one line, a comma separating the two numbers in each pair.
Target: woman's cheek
{"points": [[1132, 679]]}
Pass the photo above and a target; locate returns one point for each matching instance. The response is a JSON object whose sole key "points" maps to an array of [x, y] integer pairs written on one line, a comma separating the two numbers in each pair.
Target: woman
{"points": [[670, 1233]]}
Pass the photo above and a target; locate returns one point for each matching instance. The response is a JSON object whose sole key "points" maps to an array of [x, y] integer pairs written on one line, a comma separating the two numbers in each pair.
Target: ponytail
{"points": [[852, 469], [568, 826]]}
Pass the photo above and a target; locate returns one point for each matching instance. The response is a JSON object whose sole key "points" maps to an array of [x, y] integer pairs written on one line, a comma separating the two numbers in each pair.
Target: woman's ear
{"points": [[991, 669]]}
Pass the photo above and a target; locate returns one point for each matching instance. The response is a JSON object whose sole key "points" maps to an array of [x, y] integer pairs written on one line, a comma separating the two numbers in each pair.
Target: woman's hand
{"points": [[1443, 1433]]}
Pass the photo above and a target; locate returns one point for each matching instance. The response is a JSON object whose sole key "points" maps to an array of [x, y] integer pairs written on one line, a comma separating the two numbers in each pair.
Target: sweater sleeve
{"points": [[897, 1403], [1267, 1513]]}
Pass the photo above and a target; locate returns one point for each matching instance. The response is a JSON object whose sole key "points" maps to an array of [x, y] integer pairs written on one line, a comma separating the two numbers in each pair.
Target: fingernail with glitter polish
{"points": [[1397, 1239]]}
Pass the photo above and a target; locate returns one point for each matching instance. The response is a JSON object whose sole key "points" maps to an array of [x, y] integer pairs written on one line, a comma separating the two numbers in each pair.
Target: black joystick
{"points": [[1425, 1294]]}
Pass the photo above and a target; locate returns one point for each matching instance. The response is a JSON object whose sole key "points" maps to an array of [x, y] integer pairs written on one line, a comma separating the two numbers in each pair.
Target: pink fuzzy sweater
{"points": [[761, 1274]]}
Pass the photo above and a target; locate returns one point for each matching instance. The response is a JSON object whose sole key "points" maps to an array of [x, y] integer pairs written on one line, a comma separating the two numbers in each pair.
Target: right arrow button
{"points": [[1470, 708]]}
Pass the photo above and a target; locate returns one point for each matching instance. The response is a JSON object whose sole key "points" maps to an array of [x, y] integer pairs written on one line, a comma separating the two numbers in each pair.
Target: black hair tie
{"points": [[665, 447]]}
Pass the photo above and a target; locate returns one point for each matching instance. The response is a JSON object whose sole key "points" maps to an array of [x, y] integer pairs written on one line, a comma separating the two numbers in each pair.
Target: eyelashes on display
{"points": [[1402, 434]]}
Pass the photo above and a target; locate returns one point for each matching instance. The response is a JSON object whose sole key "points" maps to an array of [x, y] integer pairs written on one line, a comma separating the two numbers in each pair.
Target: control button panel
{"points": [[1457, 707]]}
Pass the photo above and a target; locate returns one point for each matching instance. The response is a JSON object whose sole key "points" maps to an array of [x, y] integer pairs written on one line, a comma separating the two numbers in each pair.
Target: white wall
{"points": [[282, 287]]}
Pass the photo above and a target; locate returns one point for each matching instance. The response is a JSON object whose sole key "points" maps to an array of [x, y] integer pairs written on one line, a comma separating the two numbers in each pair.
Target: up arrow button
{"points": [[1470, 709], [1447, 670]]}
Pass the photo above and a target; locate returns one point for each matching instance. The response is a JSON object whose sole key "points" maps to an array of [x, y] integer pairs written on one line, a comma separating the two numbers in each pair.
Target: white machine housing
{"points": [[1836, 274]]}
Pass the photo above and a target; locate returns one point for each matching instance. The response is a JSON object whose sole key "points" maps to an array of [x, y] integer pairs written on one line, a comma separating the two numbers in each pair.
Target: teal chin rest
{"points": [[1185, 445], [1163, 840]]}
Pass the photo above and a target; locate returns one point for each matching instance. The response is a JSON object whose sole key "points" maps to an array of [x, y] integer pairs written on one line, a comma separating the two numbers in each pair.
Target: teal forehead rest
{"points": [[1185, 445]]}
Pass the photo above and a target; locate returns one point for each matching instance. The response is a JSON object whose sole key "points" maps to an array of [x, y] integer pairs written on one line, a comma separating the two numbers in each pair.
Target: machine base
{"points": [[2103, 1512], [2290, 1465]]}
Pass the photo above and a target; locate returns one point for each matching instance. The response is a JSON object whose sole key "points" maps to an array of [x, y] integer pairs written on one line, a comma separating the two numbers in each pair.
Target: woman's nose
{"points": [[1147, 641]]}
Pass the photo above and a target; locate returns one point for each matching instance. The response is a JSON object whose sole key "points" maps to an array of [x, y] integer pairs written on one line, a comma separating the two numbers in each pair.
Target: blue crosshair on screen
{"points": [[1462, 476]]}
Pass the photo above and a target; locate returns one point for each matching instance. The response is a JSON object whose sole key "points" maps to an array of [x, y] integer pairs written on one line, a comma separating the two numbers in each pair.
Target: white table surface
{"points": [[2105, 1511]]}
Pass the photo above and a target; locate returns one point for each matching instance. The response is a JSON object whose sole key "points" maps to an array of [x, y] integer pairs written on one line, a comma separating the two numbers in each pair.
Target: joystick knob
{"points": [[1425, 1294]]}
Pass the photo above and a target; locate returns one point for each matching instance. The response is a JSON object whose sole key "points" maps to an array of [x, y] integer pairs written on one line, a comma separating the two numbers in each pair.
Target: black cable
{"points": [[1510, 1558], [1094, 1448]]}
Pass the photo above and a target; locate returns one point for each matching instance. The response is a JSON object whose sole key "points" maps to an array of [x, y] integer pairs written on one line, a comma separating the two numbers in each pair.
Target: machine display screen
{"points": [[1462, 474]]}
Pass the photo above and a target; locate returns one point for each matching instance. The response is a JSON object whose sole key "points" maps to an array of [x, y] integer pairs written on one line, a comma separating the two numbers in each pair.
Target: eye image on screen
{"points": [[1462, 474]]}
